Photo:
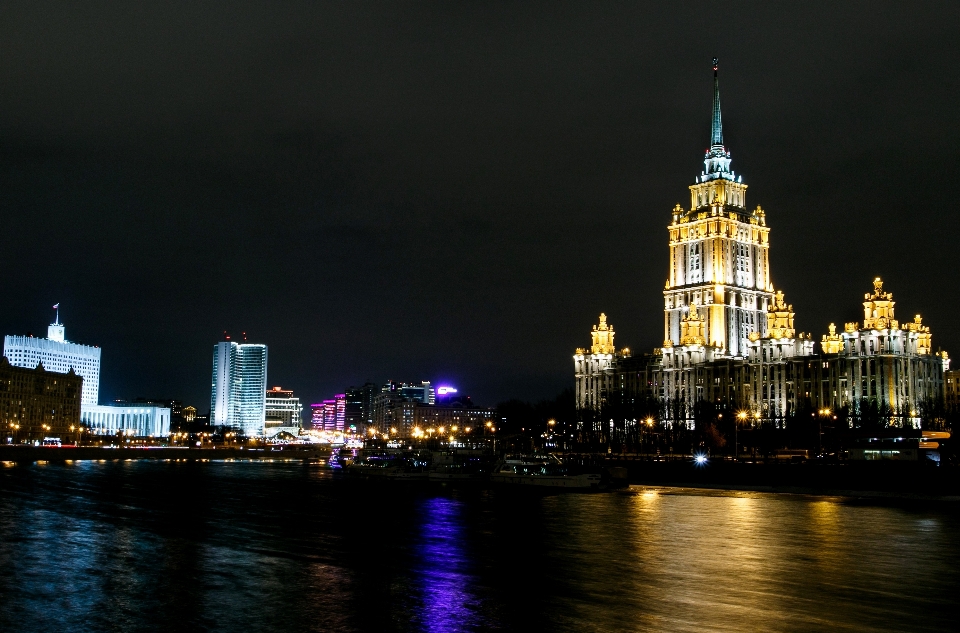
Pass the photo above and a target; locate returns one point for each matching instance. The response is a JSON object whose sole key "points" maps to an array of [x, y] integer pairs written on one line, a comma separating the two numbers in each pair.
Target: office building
{"points": [[57, 355], [340, 412], [36, 403], [144, 419], [283, 412], [316, 416], [391, 394], [177, 416], [400, 410], [323, 415], [951, 388], [239, 386], [359, 406]]}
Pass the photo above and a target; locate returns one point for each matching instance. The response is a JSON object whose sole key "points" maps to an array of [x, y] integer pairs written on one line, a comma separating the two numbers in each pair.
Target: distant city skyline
{"points": [[458, 209]]}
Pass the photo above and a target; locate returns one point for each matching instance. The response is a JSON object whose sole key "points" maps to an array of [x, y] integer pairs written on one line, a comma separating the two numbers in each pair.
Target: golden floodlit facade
{"points": [[729, 336]]}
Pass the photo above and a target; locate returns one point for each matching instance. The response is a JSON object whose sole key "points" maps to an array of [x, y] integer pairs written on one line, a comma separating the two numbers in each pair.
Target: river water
{"points": [[245, 546]]}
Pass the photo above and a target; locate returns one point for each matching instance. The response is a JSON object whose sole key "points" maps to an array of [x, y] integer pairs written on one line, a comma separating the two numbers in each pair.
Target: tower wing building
{"points": [[730, 337]]}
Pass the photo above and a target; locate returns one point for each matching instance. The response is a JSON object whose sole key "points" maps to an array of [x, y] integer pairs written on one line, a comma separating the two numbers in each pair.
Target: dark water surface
{"points": [[136, 546]]}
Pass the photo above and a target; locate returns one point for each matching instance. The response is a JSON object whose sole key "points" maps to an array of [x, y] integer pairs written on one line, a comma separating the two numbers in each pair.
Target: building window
{"points": [[746, 326], [694, 252]]}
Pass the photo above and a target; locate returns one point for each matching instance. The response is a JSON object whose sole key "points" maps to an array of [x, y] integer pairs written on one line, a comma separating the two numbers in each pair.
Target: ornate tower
{"points": [[595, 367], [602, 337], [719, 259]]}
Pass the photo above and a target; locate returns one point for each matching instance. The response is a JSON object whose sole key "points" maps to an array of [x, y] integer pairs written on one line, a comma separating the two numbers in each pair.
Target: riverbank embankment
{"points": [[25, 454], [842, 478]]}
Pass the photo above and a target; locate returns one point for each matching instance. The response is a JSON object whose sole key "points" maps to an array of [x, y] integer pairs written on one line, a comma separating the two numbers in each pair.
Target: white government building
{"points": [[140, 420], [59, 355]]}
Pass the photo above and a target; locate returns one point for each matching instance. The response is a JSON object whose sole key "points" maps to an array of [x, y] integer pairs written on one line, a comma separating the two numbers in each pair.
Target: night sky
{"points": [[452, 192]]}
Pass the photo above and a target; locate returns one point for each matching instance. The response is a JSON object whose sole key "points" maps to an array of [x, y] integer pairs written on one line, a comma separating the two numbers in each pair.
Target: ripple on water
{"points": [[282, 546]]}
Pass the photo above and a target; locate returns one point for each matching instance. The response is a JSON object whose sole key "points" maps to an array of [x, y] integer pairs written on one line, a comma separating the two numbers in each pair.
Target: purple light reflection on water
{"points": [[442, 573]]}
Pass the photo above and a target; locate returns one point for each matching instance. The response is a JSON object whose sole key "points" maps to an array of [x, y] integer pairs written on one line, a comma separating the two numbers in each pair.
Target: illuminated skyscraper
{"points": [[316, 416], [730, 338], [340, 401], [330, 415], [719, 255], [238, 397]]}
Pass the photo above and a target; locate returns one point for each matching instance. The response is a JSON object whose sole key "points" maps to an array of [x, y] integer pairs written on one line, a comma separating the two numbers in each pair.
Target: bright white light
{"points": [[700, 460]]}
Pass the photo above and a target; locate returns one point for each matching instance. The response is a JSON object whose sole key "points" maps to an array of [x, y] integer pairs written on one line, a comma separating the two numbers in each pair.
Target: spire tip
{"points": [[716, 136]]}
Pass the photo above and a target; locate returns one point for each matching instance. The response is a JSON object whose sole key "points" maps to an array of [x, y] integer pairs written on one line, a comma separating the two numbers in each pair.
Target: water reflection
{"points": [[442, 571], [266, 547]]}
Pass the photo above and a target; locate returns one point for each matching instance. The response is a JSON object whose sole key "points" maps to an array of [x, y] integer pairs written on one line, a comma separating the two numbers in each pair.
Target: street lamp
{"points": [[824, 412], [741, 416]]}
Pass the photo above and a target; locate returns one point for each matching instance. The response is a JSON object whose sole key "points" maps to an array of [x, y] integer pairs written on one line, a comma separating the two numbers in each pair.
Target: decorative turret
{"points": [[878, 309], [602, 337], [832, 343], [780, 318], [781, 341], [594, 367], [924, 337], [880, 332]]}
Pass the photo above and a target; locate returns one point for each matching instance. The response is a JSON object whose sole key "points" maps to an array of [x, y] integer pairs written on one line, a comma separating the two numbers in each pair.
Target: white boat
{"points": [[542, 470]]}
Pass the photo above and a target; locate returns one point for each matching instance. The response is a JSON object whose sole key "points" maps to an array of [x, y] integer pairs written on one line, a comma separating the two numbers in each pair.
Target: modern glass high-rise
{"points": [[238, 397]]}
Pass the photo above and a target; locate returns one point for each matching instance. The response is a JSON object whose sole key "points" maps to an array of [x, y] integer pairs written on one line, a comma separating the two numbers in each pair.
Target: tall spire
{"points": [[716, 137], [716, 164]]}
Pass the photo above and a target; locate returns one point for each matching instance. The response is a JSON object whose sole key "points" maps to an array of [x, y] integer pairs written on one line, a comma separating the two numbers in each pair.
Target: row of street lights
{"points": [[15, 428], [430, 432]]}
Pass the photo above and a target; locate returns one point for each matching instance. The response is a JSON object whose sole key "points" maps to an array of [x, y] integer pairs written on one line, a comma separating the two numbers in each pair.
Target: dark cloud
{"points": [[451, 191]]}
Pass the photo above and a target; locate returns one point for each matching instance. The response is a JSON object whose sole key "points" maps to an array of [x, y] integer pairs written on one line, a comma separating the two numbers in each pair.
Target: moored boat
{"points": [[389, 465], [461, 465], [543, 471]]}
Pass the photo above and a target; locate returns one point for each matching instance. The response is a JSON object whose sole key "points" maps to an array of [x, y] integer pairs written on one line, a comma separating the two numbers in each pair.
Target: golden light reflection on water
{"points": [[694, 560], [114, 538]]}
